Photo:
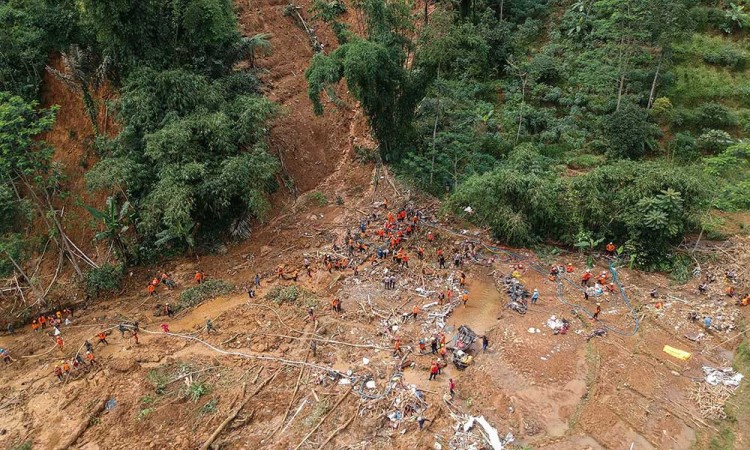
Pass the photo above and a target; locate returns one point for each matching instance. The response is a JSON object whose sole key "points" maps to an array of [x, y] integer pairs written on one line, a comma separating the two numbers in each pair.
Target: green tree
{"points": [[23, 160], [198, 34], [375, 71], [191, 156], [117, 221], [32, 30], [630, 132], [519, 200]]}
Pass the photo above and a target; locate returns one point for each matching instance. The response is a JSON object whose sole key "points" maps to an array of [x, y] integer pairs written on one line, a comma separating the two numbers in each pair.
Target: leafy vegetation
{"points": [[106, 278], [24, 164], [190, 160], [581, 121], [204, 291], [280, 294]]}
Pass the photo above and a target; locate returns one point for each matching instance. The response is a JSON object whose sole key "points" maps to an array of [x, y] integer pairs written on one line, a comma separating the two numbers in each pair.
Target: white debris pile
{"points": [[554, 323], [727, 376], [467, 436]]}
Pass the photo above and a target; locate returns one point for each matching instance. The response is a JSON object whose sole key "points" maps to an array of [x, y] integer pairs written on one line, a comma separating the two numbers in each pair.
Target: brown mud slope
{"points": [[72, 140], [259, 373], [310, 147]]}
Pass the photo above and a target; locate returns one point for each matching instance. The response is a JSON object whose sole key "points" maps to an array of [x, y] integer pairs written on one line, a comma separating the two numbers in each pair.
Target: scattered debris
{"points": [[711, 399], [727, 376]]}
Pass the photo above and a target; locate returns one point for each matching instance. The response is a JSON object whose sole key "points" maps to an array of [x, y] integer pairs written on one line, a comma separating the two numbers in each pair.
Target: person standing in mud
{"points": [[485, 343], [433, 371]]}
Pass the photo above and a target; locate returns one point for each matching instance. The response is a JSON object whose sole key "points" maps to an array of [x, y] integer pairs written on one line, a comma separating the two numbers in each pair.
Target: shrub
{"points": [[106, 278], [707, 18], [585, 161], [195, 391], [684, 147], [520, 208], [656, 205], [318, 198], [735, 196], [727, 57], [714, 141], [629, 131], [280, 294], [204, 291], [715, 115], [662, 109], [365, 155]]}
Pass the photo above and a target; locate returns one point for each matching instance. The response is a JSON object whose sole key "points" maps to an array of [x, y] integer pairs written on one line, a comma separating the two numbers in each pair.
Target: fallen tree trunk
{"points": [[233, 414], [84, 425], [338, 430], [322, 420]]}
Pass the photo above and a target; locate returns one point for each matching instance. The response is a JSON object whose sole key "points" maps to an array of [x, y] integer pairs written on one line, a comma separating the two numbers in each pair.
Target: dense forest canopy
{"points": [[570, 121], [190, 162]]}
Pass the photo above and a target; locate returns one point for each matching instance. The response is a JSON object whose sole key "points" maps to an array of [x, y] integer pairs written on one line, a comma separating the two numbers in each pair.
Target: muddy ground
{"points": [[549, 391], [173, 390]]}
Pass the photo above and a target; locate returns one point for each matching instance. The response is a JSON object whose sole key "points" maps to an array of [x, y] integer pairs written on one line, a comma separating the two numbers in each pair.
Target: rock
{"points": [[259, 347]]}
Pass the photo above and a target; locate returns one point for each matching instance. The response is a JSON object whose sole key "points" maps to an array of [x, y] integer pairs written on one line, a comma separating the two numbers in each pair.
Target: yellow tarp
{"points": [[677, 353]]}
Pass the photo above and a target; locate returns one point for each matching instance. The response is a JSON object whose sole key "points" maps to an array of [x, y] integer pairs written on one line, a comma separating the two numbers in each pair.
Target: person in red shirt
{"points": [[452, 386], [60, 343], [585, 278], [433, 371]]}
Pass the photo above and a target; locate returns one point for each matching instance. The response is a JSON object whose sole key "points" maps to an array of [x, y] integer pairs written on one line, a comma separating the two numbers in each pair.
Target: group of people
{"points": [[166, 279], [54, 321]]}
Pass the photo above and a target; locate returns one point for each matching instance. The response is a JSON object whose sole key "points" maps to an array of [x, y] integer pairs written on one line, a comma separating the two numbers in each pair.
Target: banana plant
{"points": [[117, 221]]}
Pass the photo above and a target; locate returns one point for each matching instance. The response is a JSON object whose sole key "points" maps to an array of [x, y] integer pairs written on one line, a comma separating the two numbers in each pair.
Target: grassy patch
{"points": [[209, 408], [585, 161], [207, 290], [21, 446], [195, 391], [697, 84], [144, 413], [320, 410], [714, 50], [723, 441], [682, 269], [318, 198], [158, 380], [280, 294]]}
